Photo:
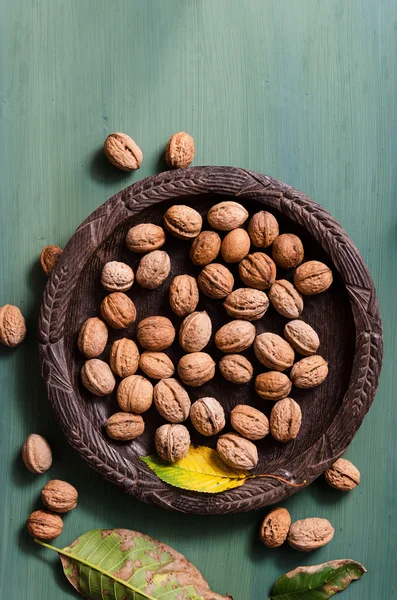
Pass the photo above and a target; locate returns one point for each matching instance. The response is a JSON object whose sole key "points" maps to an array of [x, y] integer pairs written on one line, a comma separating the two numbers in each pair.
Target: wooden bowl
{"points": [[346, 317]]}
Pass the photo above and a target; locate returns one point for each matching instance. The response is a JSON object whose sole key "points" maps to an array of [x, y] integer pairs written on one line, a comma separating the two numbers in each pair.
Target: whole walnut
{"points": [[183, 295], [124, 426], [123, 152], [205, 248], [249, 422], [246, 303], [93, 337], [257, 270], [309, 372], [235, 245], [235, 336], [184, 222], [117, 276], [273, 385], [124, 357], [238, 453], [155, 333], [172, 442], [285, 420], [275, 527], [153, 269], [97, 377], [227, 215], [310, 534], [195, 332], [286, 299], [59, 496], [263, 229], [49, 258], [207, 416], [36, 454], [44, 525], [343, 475], [273, 352], [118, 310], [12, 326], [302, 337], [236, 368], [179, 152], [145, 237], [287, 251], [215, 281], [312, 277], [172, 400], [156, 365], [135, 394], [196, 368]]}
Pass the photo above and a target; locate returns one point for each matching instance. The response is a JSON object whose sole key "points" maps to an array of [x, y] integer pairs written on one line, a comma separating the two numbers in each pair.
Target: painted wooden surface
{"points": [[304, 91]]}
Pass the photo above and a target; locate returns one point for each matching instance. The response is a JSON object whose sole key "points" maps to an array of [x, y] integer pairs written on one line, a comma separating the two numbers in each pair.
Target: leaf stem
{"points": [[279, 479], [47, 545]]}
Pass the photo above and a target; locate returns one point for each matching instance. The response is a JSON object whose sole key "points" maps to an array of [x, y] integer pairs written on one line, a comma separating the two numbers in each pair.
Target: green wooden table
{"points": [[303, 91]]}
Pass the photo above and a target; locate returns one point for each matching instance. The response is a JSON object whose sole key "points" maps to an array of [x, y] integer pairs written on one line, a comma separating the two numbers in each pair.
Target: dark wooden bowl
{"points": [[346, 317]]}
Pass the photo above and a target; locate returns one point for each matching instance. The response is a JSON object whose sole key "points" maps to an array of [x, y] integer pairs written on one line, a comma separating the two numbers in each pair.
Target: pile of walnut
{"points": [[257, 271]]}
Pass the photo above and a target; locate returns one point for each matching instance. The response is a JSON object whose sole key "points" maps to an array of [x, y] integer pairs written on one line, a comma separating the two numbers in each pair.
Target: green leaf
{"points": [[318, 582], [120, 564]]}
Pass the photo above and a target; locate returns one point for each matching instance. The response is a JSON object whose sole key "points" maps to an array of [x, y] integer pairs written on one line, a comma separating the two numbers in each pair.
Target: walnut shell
{"points": [[227, 215], [135, 394], [179, 152], [44, 525], [312, 277], [207, 416], [123, 152], [183, 295], [97, 377], [302, 337], [117, 276], [257, 271], [172, 400], [236, 368], [247, 304], [273, 385], [310, 534], [145, 237], [36, 454], [235, 245], [93, 337], [287, 251], [153, 269], [343, 475], [155, 333], [124, 426], [285, 420], [237, 452], [249, 422], [286, 299], [215, 281], [263, 229], [156, 365], [273, 352], [309, 372], [118, 310], [205, 248], [124, 357], [195, 332], [196, 368], [235, 336], [12, 326], [183, 221], [172, 442], [275, 527], [49, 258], [59, 496]]}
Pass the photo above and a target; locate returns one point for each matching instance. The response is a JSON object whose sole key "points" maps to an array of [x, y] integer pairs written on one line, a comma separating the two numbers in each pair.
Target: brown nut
{"points": [[310, 534], [135, 394], [196, 368], [235, 336], [59, 496], [273, 352], [272, 385], [205, 248], [156, 365], [93, 337], [124, 357], [309, 372], [97, 377], [215, 281], [286, 299], [183, 295], [36, 454], [312, 277], [155, 333], [49, 258], [117, 276], [172, 400], [249, 422], [122, 152], [343, 475], [236, 368], [179, 152], [207, 416], [246, 303], [183, 221], [172, 442], [44, 525], [302, 337], [153, 269], [275, 527], [235, 246], [238, 453], [263, 229], [257, 270], [195, 332], [227, 215], [118, 310], [12, 326], [287, 251], [145, 237], [124, 426], [285, 420]]}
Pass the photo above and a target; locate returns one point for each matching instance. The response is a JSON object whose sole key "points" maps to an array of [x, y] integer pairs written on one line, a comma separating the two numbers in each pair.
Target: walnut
{"points": [[118, 310], [49, 258], [285, 420], [124, 426], [12, 326], [195, 332], [207, 416], [215, 281], [124, 357], [172, 400], [272, 385], [273, 352], [156, 365], [275, 527], [310, 534], [117, 276], [135, 394], [155, 333], [238, 453], [123, 152], [249, 422], [312, 277], [145, 237], [287, 251], [93, 337], [59, 496], [286, 299], [205, 248], [263, 229], [44, 525], [172, 442], [302, 337], [179, 152], [235, 246], [309, 372], [183, 221], [196, 368], [236, 368], [257, 270], [227, 215], [153, 269], [246, 303], [235, 336], [36, 454], [183, 295], [97, 377], [343, 475]]}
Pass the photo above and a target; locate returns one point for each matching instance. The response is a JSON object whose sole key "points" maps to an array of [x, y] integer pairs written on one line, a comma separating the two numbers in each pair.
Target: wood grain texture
{"points": [[305, 91]]}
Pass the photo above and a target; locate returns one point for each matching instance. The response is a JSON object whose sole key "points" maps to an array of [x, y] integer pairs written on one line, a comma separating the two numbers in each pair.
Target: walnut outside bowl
{"points": [[346, 317]]}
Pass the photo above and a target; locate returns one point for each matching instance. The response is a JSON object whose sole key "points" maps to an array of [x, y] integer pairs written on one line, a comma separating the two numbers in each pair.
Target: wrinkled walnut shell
{"points": [[207, 416], [183, 295], [49, 258], [235, 336], [275, 527], [238, 453], [205, 248], [155, 333], [184, 222], [196, 368], [236, 368], [195, 332], [44, 525], [343, 475], [118, 310], [59, 496], [235, 245], [172, 400], [215, 281], [263, 229], [156, 365], [12, 326], [257, 271], [135, 394], [309, 372], [310, 534], [117, 276], [124, 426], [313, 277], [172, 442], [122, 152], [179, 152], [97, 377], [145, 237], [287, 301], [273, 385], [302, 337], [249, 422], [153, 269], [36, 454], [273, 351], [227, 215], [124, 357], [93, 337], [285, 420], [287, 251], [246, 303]]}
